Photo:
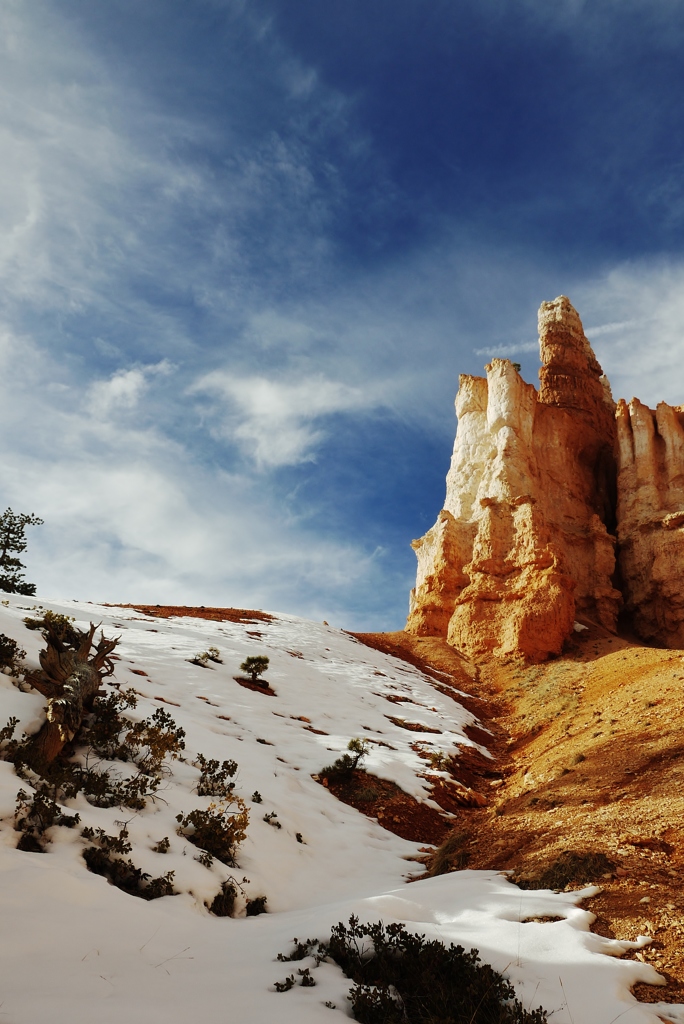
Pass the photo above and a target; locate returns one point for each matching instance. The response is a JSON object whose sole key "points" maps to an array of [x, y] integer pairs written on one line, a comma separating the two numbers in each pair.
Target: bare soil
{"points": [[164, 611], [394, 809], [587, 754]]}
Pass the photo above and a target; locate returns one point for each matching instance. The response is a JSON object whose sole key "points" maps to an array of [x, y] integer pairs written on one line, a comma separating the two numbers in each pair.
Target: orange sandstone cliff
{"points": [[526, 538], [651, 519]]}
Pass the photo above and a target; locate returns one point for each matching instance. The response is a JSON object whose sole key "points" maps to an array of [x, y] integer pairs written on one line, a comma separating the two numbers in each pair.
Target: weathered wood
{"points": [[70, 679]]}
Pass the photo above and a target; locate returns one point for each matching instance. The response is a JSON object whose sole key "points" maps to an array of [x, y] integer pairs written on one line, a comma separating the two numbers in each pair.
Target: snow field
{"points": [[76, 949]]}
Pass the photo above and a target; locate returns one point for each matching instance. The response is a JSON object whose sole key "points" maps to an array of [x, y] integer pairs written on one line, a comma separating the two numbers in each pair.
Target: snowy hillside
{"points": [[76, 949]]}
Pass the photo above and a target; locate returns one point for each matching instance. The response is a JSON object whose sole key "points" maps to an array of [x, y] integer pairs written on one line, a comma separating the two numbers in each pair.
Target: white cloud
{"points": [[278, 422], [130, 515], [620, 325], [642, 304], [124, 389]]}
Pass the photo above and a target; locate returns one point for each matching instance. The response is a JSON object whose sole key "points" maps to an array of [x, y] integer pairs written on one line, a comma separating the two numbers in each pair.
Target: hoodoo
{"points": [[527, 537]]}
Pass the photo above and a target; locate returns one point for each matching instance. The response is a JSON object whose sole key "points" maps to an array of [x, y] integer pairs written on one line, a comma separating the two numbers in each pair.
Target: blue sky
{"points": [[247, 246]]}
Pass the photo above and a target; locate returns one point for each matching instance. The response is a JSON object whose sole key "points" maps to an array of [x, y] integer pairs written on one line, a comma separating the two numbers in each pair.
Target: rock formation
{"points": [[651, 519], [525, 540]]}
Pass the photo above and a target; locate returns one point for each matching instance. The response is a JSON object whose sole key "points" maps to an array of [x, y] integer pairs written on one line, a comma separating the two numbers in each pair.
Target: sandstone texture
{"points": [[526, 539], [651, 519]]}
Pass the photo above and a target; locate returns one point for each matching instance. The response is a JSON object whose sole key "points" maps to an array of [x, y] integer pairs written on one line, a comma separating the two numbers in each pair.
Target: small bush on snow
{"points": [[11, 655], [255, 666], [107, 858], [214, 776], [400, 978], [217, 831], [256, 906], [341, 769]]}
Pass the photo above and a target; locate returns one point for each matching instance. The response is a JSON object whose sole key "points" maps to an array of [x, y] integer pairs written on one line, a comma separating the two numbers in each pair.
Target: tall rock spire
{"points": [[522, 543]]}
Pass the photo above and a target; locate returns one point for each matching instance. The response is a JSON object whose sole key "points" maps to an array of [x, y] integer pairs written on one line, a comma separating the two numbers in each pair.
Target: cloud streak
{"points": [[279, 423]]}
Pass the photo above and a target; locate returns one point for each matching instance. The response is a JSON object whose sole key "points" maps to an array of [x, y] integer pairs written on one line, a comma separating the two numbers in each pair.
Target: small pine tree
{"points": [[255, 666], [12, 538]]}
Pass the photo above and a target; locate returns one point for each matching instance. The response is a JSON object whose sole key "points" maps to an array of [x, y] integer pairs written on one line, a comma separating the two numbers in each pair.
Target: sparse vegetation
{"points": [[223, 903], [11, 654], [106, 858], [286, 985], [112, 736], [400, 978], [301, 951], [451, 855], [214, 777], [255, 666], [570, 867], [211, 654], [256, 906], [341, 769], [216, 831], [98, 733], [35, 813]]}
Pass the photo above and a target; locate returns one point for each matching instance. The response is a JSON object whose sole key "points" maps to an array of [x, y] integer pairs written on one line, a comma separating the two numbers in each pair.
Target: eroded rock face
{"points": [[651, 519], [524, 541]]}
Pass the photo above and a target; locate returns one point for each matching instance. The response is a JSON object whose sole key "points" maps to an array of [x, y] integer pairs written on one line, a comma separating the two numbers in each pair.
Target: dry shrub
{"points": [[451, 855], [570, 867], [216, 831]]}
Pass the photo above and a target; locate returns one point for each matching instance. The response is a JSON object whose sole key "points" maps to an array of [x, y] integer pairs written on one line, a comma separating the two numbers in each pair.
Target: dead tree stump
{"points": [[73, 666]]}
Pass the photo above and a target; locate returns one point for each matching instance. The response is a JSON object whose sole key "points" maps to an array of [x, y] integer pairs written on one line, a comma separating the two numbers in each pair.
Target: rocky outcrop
{"points": [[651, 519], [525, 540]]}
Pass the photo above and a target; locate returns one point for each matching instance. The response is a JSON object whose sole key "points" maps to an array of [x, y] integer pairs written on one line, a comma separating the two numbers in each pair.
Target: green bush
{"points": [[34, 814], [211, 654], [111, 735], [341, 769], [255, 666], [214, 777], [11, 654], [400, 978], [59, 626]]}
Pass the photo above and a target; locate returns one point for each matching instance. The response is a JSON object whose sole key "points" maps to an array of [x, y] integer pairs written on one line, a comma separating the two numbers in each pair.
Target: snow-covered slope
{"points": [[77, 949]]}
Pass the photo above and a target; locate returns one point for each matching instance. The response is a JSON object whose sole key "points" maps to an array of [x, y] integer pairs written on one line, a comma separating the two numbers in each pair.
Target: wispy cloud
{"points": [[508, 350], [641, 348], [124, 389], [602, 329], [279, 423]]}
